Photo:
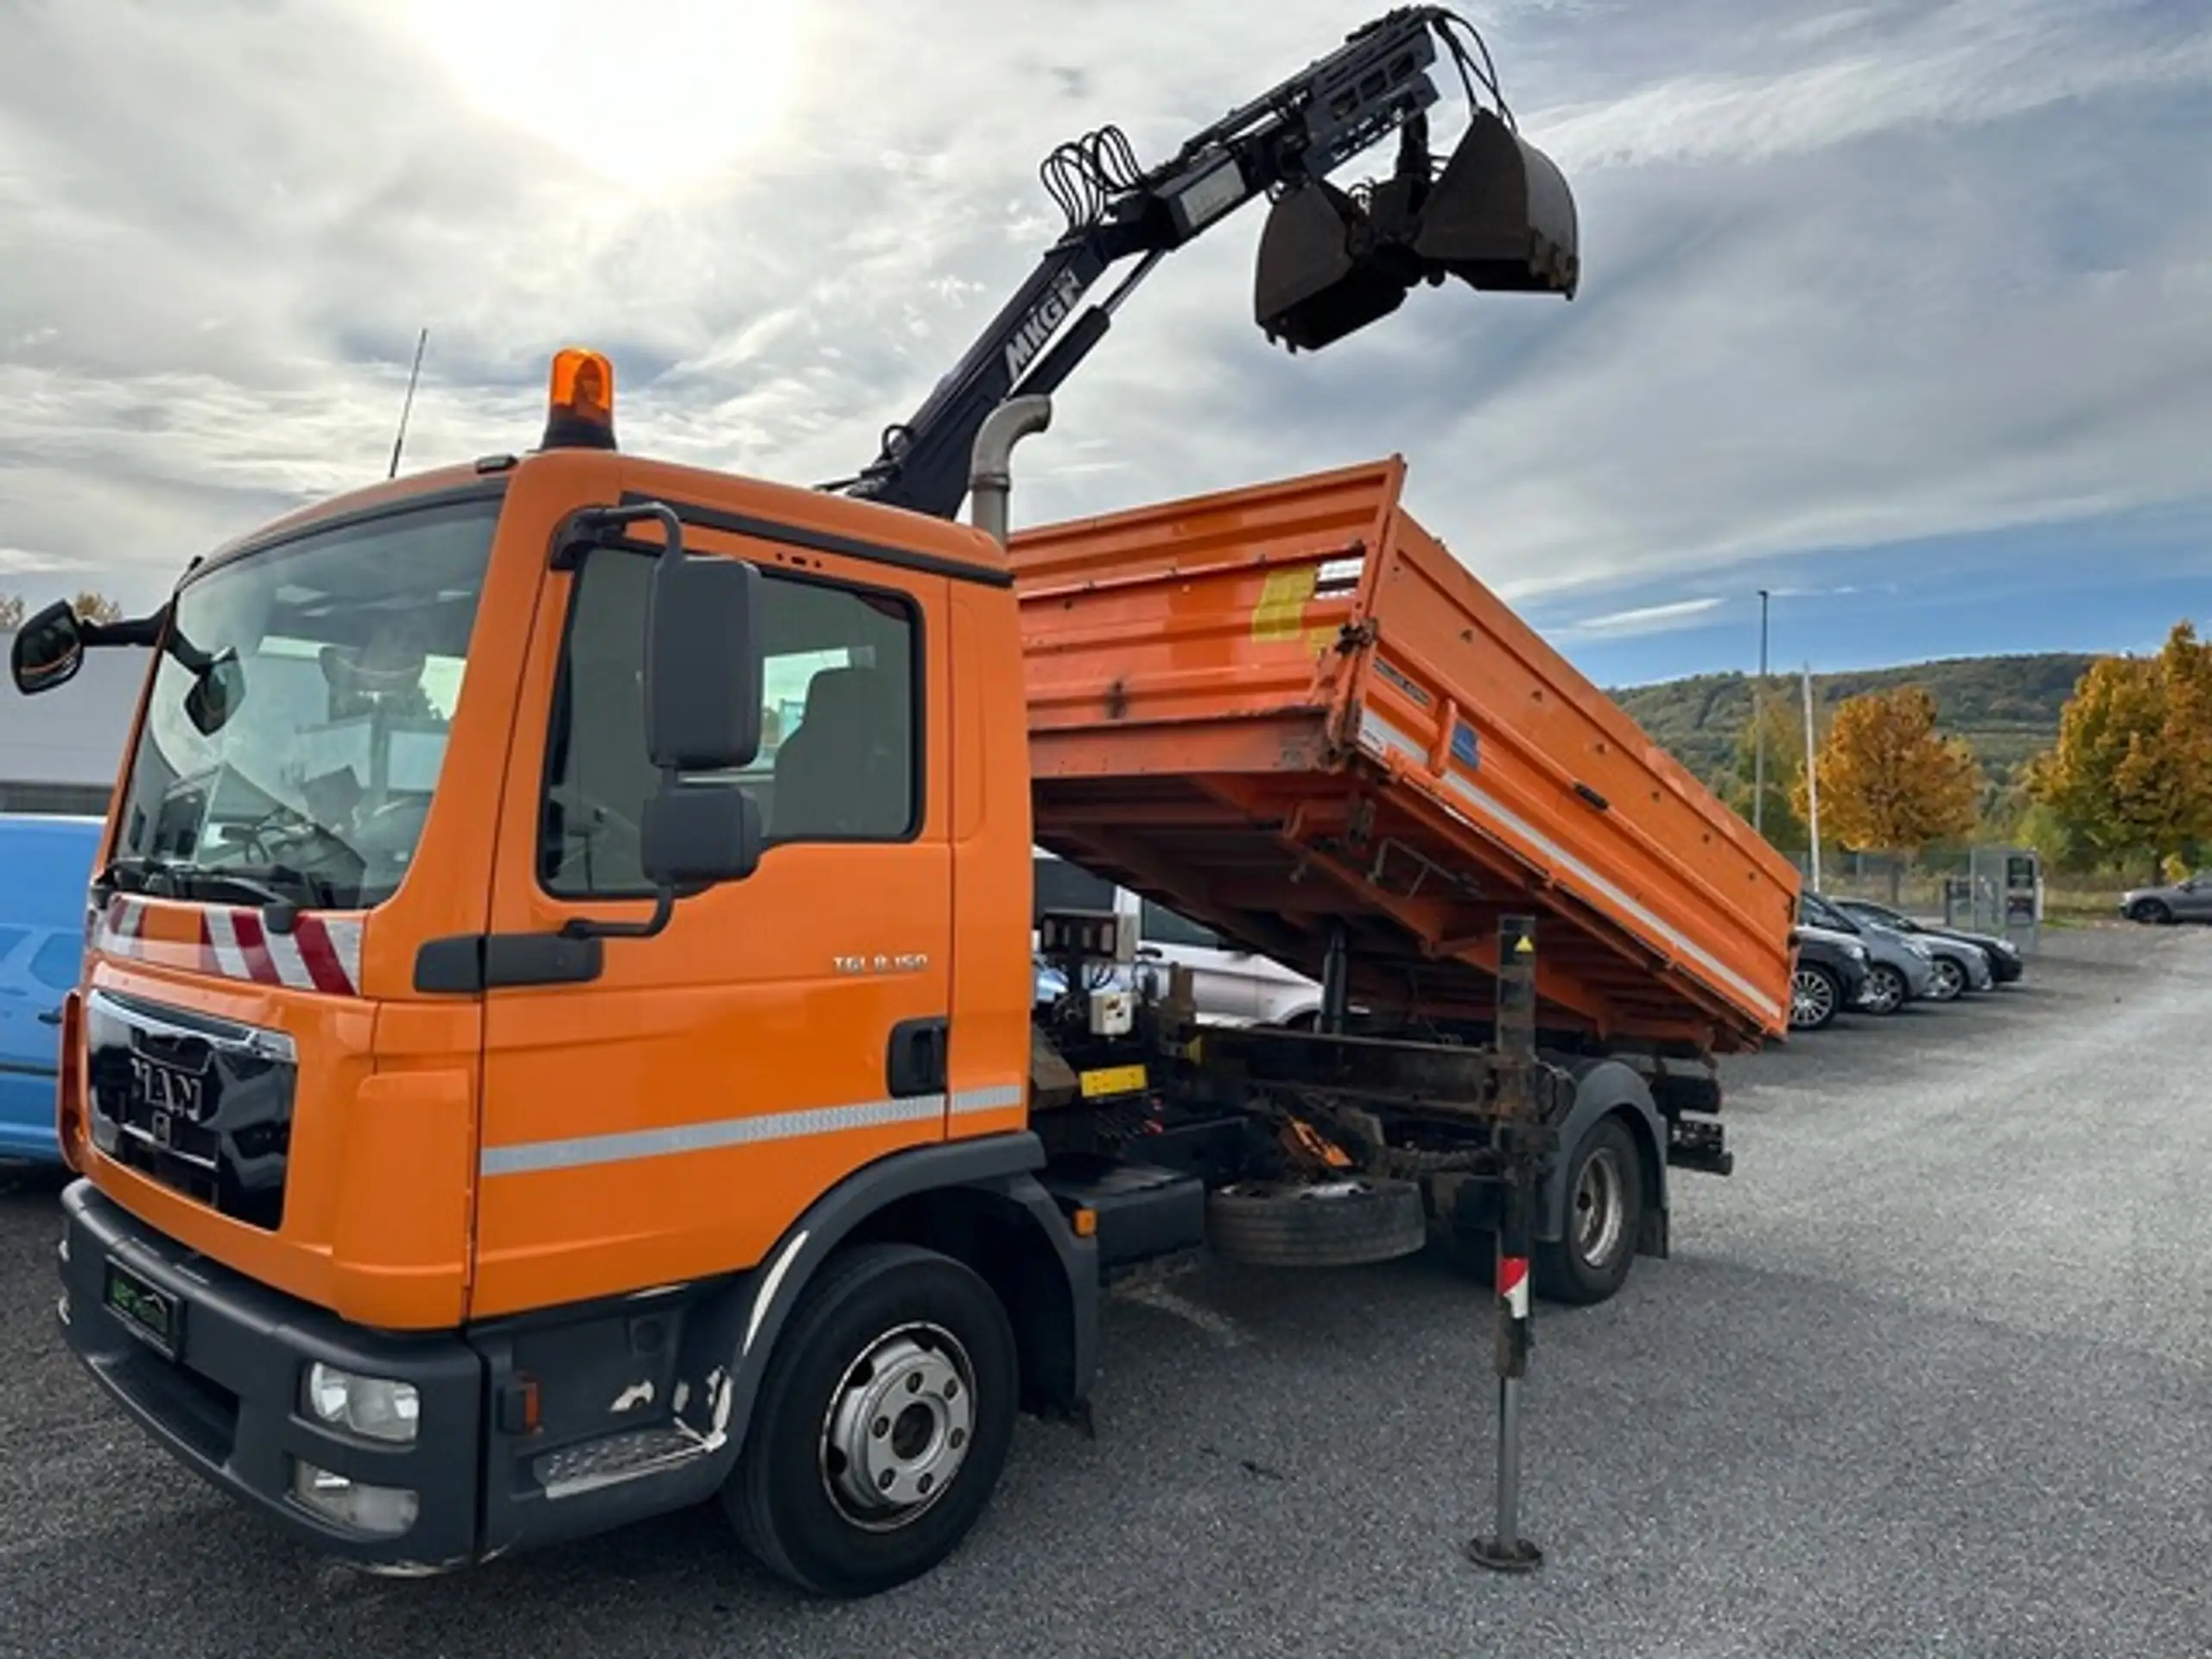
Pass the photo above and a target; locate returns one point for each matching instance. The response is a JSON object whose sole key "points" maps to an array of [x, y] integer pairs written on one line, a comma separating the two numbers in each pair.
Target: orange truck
{"points": [[560, 1040]]}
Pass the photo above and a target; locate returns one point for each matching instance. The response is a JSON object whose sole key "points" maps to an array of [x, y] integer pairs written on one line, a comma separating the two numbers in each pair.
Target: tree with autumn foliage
{"points": [[1890, 782], [2131, 776]]}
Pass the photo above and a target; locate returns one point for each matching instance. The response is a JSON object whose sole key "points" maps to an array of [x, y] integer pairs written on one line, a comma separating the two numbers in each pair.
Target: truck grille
{"points": [[203, 1106]]}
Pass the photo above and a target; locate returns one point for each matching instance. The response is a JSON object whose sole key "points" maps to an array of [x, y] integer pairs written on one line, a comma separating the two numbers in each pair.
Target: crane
{"points": [[1498, 215]]}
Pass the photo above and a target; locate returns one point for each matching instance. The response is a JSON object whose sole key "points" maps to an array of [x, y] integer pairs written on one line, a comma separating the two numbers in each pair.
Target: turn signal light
{"points": [[580, 403]]}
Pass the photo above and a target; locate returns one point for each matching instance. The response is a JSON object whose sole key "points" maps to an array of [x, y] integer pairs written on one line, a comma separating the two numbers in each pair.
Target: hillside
{"points": [[2006, 707]]}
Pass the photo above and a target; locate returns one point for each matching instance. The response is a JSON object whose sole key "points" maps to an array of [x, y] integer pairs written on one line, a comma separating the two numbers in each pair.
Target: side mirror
{"points": [[49, 649], [696, 834], [703, 665], [217, 690]]}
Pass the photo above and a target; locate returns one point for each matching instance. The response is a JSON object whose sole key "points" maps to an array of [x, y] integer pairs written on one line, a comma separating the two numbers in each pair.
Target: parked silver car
{"points": [[2185, 901], [1901, 969]]}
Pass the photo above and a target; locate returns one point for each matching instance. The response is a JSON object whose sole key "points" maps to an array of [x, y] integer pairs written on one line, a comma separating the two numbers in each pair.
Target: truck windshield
{"points": [[297, 722]]}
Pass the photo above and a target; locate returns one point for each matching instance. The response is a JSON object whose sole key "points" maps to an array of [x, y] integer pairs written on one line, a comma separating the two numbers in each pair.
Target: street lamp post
{"points": [[1759, 729]]}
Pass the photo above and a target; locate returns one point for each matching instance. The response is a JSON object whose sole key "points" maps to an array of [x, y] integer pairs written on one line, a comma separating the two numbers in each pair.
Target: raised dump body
{"points": [[1285, 707]]}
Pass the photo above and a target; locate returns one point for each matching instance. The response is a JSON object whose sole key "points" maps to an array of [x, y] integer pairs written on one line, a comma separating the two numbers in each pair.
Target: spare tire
{"points": [[1334, 1223]]}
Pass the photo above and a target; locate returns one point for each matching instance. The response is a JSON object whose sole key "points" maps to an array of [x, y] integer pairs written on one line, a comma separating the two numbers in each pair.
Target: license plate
{"points": [[152, 1315], [1112, 1080]]}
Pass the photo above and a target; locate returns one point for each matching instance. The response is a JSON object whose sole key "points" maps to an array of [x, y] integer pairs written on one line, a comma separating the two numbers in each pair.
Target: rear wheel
{"points": [[1605, 1215], [1886, 991], [1814, 996], [882, 1425], [1950, 981]]}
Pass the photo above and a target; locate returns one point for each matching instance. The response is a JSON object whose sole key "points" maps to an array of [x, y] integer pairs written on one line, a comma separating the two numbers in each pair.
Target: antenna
{"points": [[421, 340]]}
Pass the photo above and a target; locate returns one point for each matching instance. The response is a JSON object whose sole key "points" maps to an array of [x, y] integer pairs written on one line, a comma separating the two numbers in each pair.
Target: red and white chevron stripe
{"points": [[321, 953]]}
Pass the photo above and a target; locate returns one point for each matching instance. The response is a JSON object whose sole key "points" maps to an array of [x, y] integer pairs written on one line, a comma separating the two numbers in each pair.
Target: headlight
{"points": [[2006, 948], [1858, 952], [375, 1407]]}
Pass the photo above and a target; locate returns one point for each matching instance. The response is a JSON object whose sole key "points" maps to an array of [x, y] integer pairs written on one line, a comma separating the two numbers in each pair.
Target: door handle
{"points": [[916, 1062], [50, 1017]]}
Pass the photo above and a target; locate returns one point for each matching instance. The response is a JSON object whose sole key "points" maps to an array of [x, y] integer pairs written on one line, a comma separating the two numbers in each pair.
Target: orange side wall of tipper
{"points": [[1287, 707]]}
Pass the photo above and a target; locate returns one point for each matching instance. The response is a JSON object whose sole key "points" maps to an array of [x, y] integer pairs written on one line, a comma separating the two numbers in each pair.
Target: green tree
{"points": [[2130, 774], [1777, 713], [1890, 782]]}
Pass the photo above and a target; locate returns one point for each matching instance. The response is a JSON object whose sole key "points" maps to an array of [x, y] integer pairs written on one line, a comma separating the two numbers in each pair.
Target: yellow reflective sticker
{"points": [[1112, 1080]]}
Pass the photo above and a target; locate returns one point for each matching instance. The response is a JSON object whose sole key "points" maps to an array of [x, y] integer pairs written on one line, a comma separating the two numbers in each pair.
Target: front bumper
{"points": [[228, 1401]]}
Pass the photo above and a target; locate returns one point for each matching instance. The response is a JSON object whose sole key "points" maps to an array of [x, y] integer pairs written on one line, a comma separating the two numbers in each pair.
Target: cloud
{"points": [[1868, 275], [1647, 618]]}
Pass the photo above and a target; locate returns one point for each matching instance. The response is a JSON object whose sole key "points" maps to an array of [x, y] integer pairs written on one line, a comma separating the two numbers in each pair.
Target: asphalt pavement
{"points": [[1931, 1373]]}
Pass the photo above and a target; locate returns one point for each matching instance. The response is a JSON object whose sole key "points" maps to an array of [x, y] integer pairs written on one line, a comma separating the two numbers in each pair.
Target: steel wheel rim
{"points": [[1887, 988], [901, 1424], [1810, 999], [1950, 978], [1598, 1207]]}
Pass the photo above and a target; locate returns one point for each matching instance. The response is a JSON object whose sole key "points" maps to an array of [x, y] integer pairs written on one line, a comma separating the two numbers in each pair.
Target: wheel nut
{"points": [[925, 1483], [913, 1381], [880, 1427], [884, 1480], [952, 1388], [959, 1438]]}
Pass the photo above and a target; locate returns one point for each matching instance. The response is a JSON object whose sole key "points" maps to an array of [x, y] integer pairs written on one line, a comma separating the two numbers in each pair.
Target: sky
{"points": [[1901, 311]]}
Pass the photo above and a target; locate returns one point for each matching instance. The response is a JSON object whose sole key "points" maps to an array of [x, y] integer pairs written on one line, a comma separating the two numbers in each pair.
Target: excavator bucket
{"points": [[1500, 215], [1318, 279]]}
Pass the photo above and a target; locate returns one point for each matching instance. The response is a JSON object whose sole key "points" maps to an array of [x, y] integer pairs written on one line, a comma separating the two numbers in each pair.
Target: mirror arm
{"points": [[587, 927]]}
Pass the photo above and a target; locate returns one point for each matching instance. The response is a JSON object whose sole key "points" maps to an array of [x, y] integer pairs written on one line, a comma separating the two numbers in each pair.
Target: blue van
{"points": [[45, 865]]}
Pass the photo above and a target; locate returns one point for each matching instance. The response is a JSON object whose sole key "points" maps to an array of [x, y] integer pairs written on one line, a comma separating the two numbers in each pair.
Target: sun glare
{"points": [[654, 95]]}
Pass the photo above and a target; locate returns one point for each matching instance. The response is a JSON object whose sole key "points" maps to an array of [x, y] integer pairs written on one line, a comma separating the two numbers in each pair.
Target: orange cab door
{"points": [[669, 1115]]}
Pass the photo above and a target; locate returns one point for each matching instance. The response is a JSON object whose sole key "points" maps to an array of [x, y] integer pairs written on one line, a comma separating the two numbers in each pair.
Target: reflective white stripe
{"points": [[223, 939], [284, 953], [343, 933], [988, 1100], [1381, 734], [522, 1158]]}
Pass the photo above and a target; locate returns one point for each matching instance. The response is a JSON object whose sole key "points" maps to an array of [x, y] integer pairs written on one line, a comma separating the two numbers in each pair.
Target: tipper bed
{"points": [[1287, 707]]}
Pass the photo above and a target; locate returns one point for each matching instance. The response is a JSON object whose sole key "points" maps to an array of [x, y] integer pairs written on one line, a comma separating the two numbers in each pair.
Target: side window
{"points": [[840, 754], [11, 939], [55, 963], [1160, 925]]}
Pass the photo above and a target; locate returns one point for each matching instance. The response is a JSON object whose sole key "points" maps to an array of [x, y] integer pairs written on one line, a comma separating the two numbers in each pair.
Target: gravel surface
{"points": [[1931, 1373]]}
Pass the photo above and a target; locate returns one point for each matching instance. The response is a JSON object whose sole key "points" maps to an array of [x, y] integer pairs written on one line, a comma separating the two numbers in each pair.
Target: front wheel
{"points": [[1950, 981], [882, 1424], [1604, 1214], [2150, 912], [1886, 991], [1814, 997]]}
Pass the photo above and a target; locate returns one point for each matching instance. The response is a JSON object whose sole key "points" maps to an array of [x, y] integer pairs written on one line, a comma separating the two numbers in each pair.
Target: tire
{"points": [[2151, 913], [1604, 1218], [1950, 981], [1341, 1223], [1815, 996], [878, 1317], [1886, 991]]}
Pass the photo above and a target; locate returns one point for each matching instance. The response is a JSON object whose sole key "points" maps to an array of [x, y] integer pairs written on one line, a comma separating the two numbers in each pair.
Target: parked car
{"points": [[1900, 969], [1829, 976], [1961, 965], [45, 865], [1231, 985], [2183, 901], [2004, 958]]}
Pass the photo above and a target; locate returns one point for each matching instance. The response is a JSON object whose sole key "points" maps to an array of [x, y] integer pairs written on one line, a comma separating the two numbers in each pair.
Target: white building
{"points": [[61, 752]]}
